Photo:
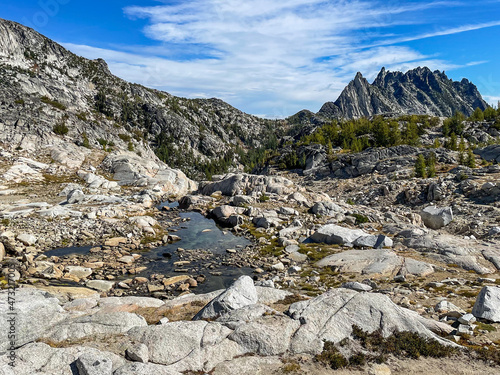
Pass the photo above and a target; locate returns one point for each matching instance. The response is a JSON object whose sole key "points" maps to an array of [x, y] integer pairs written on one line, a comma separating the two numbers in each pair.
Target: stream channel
{"points": [[196, 232]]}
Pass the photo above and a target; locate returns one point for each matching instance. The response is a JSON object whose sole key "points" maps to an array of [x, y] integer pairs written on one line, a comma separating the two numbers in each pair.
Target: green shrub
{"points": [[85, 142], [124, 137], [330, 356], [82, 116], [53, 103], [360, 219], [478, 115], [131, 146], [490, 114], [102, 142], [430, 163], [60, 128], [263, 198]]}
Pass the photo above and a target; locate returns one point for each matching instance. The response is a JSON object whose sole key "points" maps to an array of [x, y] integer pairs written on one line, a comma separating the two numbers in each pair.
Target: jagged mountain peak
{"points": [[417, 91]]}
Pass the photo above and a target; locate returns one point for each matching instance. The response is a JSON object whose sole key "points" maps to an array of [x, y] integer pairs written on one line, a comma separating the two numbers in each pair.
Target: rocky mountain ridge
{"points": [[43, 85], [418, 91]]}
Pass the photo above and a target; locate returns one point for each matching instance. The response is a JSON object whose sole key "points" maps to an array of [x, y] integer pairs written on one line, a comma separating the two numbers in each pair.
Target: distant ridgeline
{"points": [[46, 91]]}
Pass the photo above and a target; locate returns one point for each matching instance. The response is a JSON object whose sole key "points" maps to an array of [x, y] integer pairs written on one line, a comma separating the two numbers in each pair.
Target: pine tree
{"points": [[471, 160], [420, 170], [452, 143], [431, 165], [490, 113], [478, 115], [461, 146]]}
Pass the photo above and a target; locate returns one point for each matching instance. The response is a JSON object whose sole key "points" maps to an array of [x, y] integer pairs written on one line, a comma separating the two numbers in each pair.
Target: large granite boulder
{"points": [[330, 317], [436, 217], [241, 293], [130, 169], [326, 209], [489, 153], [487, 304], [335, 234]]}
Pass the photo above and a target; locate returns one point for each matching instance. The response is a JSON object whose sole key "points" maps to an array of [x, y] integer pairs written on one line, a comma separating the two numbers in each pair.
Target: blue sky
{"points": [[267, 57]]}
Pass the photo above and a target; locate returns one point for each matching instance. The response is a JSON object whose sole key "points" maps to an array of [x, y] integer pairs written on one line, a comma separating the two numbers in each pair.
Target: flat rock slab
{"points": [[467, 254], [89, 325], [375, 262], [100, 285], [334, 234], [40, 358], [36, 312], [187, 345]]}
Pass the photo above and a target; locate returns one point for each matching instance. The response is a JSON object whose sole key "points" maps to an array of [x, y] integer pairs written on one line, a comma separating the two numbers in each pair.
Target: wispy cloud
{"points": [[273, 56], [443, 32]]}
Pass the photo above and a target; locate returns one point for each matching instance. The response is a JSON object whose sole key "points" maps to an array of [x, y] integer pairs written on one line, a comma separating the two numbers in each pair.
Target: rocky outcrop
{"points": [[382, 160], [36, 312], [335, 234], [375, 263], [489, 153], [65, 105], [418, 91], [133, 170], [247, 184], [330, 317]]}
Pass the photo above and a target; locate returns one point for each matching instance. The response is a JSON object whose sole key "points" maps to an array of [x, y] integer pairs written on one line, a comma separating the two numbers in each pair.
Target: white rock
{"points": [[467, 319], [90, 325], [331, 315], [435, 217], [138, 353], [100, 285], [278, 266], [27, 239], [487, 304], [241, 293], [80, 272], [75, 196], [92, 364], [375, 241], [36, 312], [335, 234], [359, 287]]}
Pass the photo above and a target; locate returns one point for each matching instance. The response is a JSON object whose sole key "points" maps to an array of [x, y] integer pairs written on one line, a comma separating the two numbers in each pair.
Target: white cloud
{"points": [[272, 57]]}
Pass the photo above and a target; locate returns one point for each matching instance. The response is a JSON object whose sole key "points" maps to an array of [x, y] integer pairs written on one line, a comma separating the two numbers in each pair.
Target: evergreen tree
{"points": [[461, 149], [394, 134], [452, 143], [455, 124], [431, 165], [471, 160], [490, 114], [436, 144], [420, 167], [478, 115]]}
